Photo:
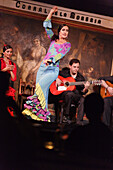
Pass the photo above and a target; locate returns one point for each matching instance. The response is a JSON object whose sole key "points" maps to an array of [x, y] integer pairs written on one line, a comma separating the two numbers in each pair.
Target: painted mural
{"points": [[30, 44]]}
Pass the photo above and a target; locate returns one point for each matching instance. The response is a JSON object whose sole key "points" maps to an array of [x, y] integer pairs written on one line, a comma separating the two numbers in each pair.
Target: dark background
{"points": [[102, 7]]}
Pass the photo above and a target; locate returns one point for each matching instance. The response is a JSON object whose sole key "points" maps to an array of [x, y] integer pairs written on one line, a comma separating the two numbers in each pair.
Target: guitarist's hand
{"points": [[58, 82], [87, 84], [103, 83], [110, 89]]}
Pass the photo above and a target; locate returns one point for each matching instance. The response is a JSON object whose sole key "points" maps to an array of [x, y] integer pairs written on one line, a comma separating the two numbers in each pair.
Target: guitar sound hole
{"points": [[67, 83]]}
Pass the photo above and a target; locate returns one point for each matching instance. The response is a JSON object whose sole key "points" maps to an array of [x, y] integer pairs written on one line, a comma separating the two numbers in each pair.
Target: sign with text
{"points": [[65, 13]]}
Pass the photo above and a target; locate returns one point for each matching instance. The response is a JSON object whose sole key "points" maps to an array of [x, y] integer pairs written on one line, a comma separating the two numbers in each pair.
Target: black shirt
{"points": [[65, 72]]}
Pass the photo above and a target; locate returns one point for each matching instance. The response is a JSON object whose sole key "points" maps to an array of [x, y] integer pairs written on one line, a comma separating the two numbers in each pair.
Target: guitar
{"points": [[68, 84], [104, 92]]}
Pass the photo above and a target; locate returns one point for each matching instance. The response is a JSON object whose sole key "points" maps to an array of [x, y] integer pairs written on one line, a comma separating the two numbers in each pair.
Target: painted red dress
{"points": [[11, 91]]}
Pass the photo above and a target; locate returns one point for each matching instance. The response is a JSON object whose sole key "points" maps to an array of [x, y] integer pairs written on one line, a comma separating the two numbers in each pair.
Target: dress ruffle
{"points": [[40, 95], [34, 110]]}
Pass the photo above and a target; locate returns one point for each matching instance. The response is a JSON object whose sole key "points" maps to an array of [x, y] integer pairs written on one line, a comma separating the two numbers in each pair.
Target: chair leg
{"points": [[61, 116], [56, 112]]}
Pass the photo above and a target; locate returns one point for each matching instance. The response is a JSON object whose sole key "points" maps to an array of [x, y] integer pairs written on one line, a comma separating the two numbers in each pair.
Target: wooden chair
{"points": [[25, 90]]}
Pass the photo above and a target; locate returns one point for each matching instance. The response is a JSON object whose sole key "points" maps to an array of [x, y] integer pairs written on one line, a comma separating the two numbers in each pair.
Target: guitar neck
{"points": [[96, 82], [72, 82], [77, 83]]}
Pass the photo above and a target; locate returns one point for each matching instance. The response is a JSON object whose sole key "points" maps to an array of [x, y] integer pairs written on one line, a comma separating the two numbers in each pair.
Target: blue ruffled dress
{"points": [[36, 106]]}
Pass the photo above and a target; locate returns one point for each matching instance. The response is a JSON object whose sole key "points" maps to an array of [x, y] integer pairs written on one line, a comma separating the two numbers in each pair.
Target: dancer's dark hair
{"points": [[56, 37], [6, 46]]}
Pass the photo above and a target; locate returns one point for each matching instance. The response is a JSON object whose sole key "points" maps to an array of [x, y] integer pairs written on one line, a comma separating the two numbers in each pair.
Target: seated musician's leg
{"points": [[108, 107], [80, 114], [70, 99]]}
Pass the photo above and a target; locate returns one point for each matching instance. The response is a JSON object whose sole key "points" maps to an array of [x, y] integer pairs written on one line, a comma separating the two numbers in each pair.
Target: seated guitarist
{"points": [[107, 83], [75, 97]]}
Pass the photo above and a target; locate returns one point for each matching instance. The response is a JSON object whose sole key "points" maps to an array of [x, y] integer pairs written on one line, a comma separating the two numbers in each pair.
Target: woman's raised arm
{"points": [[53, 10]]}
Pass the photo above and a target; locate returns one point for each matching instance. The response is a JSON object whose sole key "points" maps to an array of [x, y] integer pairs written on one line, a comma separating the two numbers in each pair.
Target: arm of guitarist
{"points": [[105, 85]]}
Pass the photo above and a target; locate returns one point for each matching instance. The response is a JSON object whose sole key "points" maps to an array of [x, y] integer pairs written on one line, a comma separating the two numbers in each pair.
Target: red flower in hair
{"points": [[5, 45]]}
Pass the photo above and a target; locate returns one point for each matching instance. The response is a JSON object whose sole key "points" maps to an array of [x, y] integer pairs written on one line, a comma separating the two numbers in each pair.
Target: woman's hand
{"points": [[47, 62], [10, 67], [54, 9]]}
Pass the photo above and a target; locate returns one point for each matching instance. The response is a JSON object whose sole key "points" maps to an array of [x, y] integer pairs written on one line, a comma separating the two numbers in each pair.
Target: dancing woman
{"points": [[37, 105], [6, 65]]}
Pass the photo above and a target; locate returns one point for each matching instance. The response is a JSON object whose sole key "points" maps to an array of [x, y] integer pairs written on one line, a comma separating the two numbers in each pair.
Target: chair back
{"points": [[26, 88]]}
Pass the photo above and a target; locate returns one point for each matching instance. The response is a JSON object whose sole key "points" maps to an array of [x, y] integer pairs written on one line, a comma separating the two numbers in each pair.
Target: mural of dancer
{"points": [[36, 106], [30, 66]]}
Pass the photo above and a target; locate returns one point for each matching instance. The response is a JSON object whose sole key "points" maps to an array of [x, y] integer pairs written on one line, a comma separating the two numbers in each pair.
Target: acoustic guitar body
{"points": [[104, 92], [54, 90]]}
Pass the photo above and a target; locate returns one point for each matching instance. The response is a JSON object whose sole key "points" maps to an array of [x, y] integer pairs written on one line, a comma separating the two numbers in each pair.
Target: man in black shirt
{"points": [[75, 97]]}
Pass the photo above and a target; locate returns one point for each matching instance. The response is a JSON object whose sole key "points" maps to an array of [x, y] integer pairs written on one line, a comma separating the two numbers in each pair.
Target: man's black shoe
{"points": [[66, 119]]}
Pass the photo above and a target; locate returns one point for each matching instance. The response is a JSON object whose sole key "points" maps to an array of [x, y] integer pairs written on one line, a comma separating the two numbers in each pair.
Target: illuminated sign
{"points": [[61, 13], [65, 13]]}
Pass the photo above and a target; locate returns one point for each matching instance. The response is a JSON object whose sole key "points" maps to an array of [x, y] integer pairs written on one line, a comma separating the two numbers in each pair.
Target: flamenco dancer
{"points": [[36, 106], [6, 65]]}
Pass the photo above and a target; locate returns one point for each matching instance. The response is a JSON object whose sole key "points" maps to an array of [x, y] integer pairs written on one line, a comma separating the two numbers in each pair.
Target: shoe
{"points": [[80, 123], [66, 119]]}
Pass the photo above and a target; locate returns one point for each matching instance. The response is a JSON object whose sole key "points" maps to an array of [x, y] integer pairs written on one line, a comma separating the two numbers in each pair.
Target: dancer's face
{"points": [[8, 53], [64, 32]]}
